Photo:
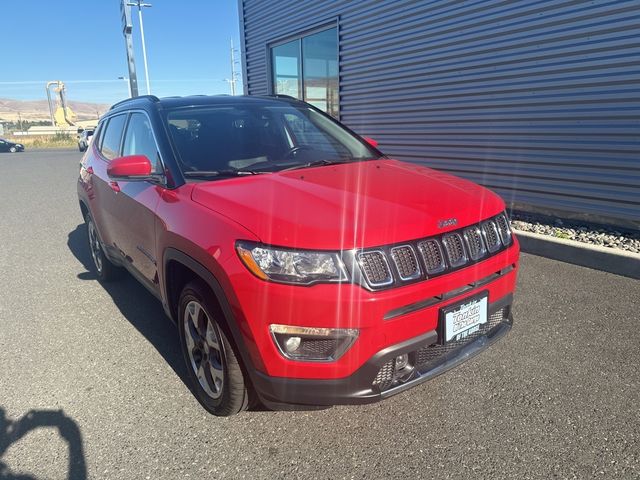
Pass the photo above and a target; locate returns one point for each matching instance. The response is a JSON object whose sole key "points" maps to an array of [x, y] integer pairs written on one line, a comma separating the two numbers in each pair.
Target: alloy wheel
{"points": [[94, 246], [204, 348]]}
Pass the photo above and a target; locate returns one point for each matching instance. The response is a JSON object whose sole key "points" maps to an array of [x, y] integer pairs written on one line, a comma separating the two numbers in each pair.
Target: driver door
{"points": [[135, 202]]}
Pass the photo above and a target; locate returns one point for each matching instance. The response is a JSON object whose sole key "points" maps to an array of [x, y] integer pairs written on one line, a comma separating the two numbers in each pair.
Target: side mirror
{"points": [[371, 141], [131, 168]]}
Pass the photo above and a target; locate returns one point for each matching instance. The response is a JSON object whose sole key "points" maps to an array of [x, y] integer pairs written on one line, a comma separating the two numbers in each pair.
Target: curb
{"points": [[606, 259]]}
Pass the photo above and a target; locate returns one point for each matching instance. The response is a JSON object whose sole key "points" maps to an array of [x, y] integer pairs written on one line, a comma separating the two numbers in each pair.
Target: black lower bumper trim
{"points": [[357, 388]]}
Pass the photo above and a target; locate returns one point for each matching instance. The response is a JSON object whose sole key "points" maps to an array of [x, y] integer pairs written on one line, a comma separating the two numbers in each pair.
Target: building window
{"points": [[307, 68], [286, 69]]}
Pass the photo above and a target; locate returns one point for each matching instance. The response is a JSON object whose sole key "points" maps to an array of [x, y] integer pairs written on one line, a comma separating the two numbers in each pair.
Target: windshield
{"points": [[258, 138]]}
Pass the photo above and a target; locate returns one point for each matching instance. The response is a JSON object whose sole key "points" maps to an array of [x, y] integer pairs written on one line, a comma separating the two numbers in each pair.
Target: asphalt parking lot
{"points": [[91, 377]]}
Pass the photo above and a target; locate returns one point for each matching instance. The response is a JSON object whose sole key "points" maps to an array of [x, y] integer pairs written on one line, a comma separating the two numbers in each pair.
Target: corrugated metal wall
{"points": [[538, 100]]}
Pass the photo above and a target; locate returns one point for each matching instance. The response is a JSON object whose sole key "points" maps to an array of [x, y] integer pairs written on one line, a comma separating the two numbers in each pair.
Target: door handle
{"points": [[114, 186]]}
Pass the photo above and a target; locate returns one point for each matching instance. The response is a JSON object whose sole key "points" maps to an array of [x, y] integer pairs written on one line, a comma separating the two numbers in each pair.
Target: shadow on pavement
{"points": [[136, 304], [12, 431]]}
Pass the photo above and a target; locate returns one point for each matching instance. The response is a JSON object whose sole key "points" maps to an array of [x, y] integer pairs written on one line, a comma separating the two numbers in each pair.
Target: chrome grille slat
{"points": [[475, 243], [406, 262], [437, 255], [432, 255], [491, 236], [454, 247], [375, 268], [504, 229]]}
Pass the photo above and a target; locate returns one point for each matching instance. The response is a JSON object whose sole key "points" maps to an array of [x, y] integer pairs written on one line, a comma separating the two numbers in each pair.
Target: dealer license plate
{"points": [[463, 319]]}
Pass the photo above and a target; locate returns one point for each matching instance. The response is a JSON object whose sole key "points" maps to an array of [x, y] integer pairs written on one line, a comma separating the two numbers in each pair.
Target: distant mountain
{"points": [[34, 110]]}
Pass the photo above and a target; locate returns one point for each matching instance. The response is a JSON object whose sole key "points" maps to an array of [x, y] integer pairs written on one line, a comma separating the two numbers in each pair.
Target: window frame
{"points": [[153, 134], [105, 127], [159, 178], [298, 36]]}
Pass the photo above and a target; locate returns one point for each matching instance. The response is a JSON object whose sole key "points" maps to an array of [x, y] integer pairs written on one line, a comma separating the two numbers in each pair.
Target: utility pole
{"points": [[233, 70], [139, 4], [234, 75]]}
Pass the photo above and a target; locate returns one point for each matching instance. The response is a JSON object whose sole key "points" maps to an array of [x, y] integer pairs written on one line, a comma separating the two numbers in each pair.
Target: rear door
{"points": [[102, 196]]}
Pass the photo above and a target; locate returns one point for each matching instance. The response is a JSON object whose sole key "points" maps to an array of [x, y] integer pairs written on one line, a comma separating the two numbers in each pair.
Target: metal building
{"points": [[538, 100]]}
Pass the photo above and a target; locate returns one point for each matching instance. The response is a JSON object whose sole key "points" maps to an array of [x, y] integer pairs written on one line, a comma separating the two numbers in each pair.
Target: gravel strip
{"points": [[579, 232]]}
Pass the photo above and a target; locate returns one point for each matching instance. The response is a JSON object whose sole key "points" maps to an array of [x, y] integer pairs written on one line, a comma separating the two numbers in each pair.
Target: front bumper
{"points": [[361, 386]]}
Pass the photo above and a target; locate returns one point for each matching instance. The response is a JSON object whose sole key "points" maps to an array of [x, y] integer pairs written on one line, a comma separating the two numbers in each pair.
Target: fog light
{"points": [[402, 361], [292, 344], [313, 344]]}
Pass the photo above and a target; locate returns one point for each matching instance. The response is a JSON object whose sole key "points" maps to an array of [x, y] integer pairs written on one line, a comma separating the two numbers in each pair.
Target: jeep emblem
{"points": [[449, 222]]}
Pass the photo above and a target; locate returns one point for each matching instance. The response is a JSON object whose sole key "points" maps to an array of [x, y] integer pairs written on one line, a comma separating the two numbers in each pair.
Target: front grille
{"points": [[491, 235], [406, 262], [504, 229], [475, 244], [375, 268], [425, 358], [454, 247], [428, 257], [426, 355], [432, 256]]}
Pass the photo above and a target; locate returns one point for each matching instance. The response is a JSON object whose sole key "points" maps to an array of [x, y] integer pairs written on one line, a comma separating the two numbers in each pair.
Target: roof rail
{"points": [[153, 98], [280, 95]]}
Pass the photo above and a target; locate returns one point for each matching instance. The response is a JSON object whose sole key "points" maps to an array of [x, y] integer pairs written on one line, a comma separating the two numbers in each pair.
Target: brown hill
{"points": [[34, 110]]}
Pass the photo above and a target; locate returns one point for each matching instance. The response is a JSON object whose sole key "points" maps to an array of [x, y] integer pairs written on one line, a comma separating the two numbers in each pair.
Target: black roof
{"points": [[201, 100]]}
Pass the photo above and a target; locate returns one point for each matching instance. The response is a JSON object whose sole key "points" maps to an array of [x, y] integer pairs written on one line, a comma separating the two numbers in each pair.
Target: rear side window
{"points": [[111, 137], [138, 140]]}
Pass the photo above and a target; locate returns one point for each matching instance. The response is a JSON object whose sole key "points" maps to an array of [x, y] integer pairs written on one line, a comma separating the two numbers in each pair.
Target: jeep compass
{"points": [[301, 265]]}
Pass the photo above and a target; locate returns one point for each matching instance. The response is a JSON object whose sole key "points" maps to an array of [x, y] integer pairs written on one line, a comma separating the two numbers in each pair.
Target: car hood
{"points": [[354, 205]]}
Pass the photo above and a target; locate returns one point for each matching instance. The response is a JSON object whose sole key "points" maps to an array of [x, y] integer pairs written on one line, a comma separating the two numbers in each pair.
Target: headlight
{"points": [[291, 266], [312, 344]]}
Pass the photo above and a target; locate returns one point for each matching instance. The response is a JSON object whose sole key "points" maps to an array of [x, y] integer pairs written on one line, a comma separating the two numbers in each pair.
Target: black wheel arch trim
{"points": [[172, 254]]}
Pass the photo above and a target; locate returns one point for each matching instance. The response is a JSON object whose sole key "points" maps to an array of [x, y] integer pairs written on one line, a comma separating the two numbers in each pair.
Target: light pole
{"points": [[139, 4], [128, 84]]}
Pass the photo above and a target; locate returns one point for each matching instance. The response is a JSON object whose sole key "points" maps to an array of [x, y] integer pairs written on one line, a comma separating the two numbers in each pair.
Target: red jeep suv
{"points": [[301, 265]]}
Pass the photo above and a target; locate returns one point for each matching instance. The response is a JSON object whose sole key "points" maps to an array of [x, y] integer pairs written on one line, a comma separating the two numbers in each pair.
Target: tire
{"points": [[214, 371], [81, 148], [13, 149], [105, 270]]}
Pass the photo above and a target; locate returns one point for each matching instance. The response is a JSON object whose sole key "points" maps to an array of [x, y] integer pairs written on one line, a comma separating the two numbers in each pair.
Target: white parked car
{"points": [[84, 139]]}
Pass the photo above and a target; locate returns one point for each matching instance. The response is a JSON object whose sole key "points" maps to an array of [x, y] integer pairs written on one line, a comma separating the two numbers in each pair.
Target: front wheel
{"points": [[13, 149], [213, 367]]}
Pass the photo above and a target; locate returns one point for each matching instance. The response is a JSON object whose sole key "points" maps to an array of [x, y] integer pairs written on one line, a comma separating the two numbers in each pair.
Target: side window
{"points": [[97, 138], [111, 137], [138, 140]]}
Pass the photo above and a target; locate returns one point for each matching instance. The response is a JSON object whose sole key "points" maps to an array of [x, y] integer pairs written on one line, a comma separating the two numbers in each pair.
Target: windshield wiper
{"points": [[219, 173], [316, 163]]}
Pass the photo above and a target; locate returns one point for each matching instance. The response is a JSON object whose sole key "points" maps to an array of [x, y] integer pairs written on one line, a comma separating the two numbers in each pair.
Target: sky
{"points": [[81, 43]]}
